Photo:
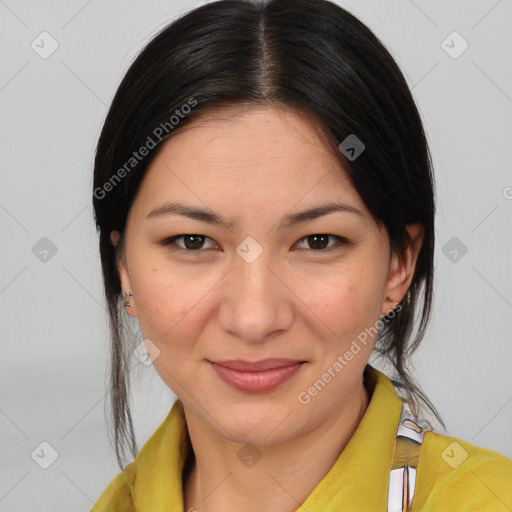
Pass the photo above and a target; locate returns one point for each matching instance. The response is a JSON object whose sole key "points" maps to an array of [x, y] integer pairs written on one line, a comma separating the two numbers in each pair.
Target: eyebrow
{"points": [[192, 212]]}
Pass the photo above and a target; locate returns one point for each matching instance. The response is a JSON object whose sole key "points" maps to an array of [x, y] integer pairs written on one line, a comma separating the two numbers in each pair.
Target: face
{"points": [[261, 282]]}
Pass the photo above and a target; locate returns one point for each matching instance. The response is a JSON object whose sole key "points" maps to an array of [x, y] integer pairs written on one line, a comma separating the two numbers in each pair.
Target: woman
{"points": [[264, 197]]}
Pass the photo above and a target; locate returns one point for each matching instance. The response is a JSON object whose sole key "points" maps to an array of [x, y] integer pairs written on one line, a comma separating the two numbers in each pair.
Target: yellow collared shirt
{"points": [[452, 475]]}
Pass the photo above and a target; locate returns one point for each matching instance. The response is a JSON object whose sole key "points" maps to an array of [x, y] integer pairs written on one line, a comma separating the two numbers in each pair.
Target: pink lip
{"points": [[256, 376]]}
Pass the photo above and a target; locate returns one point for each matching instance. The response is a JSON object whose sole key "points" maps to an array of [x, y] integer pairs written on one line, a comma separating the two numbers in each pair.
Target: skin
{"points": [[294, 301]]}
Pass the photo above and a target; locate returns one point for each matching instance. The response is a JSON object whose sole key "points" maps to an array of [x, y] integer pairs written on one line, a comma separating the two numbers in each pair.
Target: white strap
{"points": [[402, 479]]}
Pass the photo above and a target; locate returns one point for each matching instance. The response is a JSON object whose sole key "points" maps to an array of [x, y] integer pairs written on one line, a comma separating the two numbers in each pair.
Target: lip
{"points": [[256, 376], [256, 366]]}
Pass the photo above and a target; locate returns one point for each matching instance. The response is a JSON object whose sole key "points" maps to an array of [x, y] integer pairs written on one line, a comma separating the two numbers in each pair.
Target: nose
{"points": [[256, 300]]}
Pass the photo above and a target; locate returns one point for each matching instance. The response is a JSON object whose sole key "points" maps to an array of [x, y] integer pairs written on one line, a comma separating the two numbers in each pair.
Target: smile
{"points": [[256, 377]]}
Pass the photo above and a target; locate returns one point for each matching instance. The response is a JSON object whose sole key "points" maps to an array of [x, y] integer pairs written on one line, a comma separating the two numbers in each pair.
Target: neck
{"points": [[284, 477]]}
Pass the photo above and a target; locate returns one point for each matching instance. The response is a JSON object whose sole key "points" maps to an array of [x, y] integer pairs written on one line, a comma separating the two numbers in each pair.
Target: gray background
{"points": [[53, 325]]}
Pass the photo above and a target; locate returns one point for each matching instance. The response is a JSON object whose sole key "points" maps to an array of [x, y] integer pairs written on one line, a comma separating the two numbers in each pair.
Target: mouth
{"points": [[256, 376]]}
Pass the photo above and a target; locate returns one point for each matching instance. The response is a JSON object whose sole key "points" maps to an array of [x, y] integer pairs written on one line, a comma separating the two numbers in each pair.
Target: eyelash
{"points": [[171, 241]]}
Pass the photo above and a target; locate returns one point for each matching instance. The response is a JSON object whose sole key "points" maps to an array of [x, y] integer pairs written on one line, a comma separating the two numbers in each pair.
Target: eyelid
{"points": [[171, 241], [340, 239]]}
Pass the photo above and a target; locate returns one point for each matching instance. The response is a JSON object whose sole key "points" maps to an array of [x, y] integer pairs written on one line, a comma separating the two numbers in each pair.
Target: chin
{"points": [[258, 424], [250, 434]]}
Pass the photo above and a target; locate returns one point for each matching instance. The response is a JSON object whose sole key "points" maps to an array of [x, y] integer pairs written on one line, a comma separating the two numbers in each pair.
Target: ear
{"points": [[401, 269], [124, 277]]}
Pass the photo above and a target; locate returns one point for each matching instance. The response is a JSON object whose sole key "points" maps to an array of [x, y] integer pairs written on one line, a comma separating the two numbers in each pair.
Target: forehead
{"points": [[236, 136], [273, 154]]}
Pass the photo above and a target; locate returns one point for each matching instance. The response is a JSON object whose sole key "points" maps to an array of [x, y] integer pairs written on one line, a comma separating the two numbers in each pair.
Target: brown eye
{"points": [[191, 242], [319, 242]]}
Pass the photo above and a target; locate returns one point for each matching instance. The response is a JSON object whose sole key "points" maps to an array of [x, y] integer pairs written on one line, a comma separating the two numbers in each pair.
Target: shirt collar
{"points": [[358, 479]]}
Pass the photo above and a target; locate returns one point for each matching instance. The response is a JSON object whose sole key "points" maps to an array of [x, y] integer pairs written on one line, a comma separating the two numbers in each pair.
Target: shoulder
{"points": [[117, 495], [456, 475]]}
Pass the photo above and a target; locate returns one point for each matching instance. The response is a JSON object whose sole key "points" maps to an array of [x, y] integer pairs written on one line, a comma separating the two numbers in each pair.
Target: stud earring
{"points": [[408, 298], [127, 303], [388, 298]]}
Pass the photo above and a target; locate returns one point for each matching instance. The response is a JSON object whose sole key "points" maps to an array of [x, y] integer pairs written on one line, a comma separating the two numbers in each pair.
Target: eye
{"points": [[191, 242], [317, 242]]}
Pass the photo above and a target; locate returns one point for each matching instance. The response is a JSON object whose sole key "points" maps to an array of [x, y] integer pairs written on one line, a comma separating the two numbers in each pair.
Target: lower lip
{"points": [[256, 381]]}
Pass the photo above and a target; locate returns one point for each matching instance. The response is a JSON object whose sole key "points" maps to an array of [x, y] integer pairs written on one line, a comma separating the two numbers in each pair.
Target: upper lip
{"points": [[255, 366]]}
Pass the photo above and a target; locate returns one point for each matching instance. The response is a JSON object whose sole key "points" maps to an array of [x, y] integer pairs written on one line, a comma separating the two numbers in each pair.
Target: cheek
{"points": [[169, 304], [169, 317], [341, 300]]}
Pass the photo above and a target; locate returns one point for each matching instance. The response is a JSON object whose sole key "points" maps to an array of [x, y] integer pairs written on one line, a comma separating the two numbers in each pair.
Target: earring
{"points": [[387, 299], [393, 300], [408, 298], [127, 303]]}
